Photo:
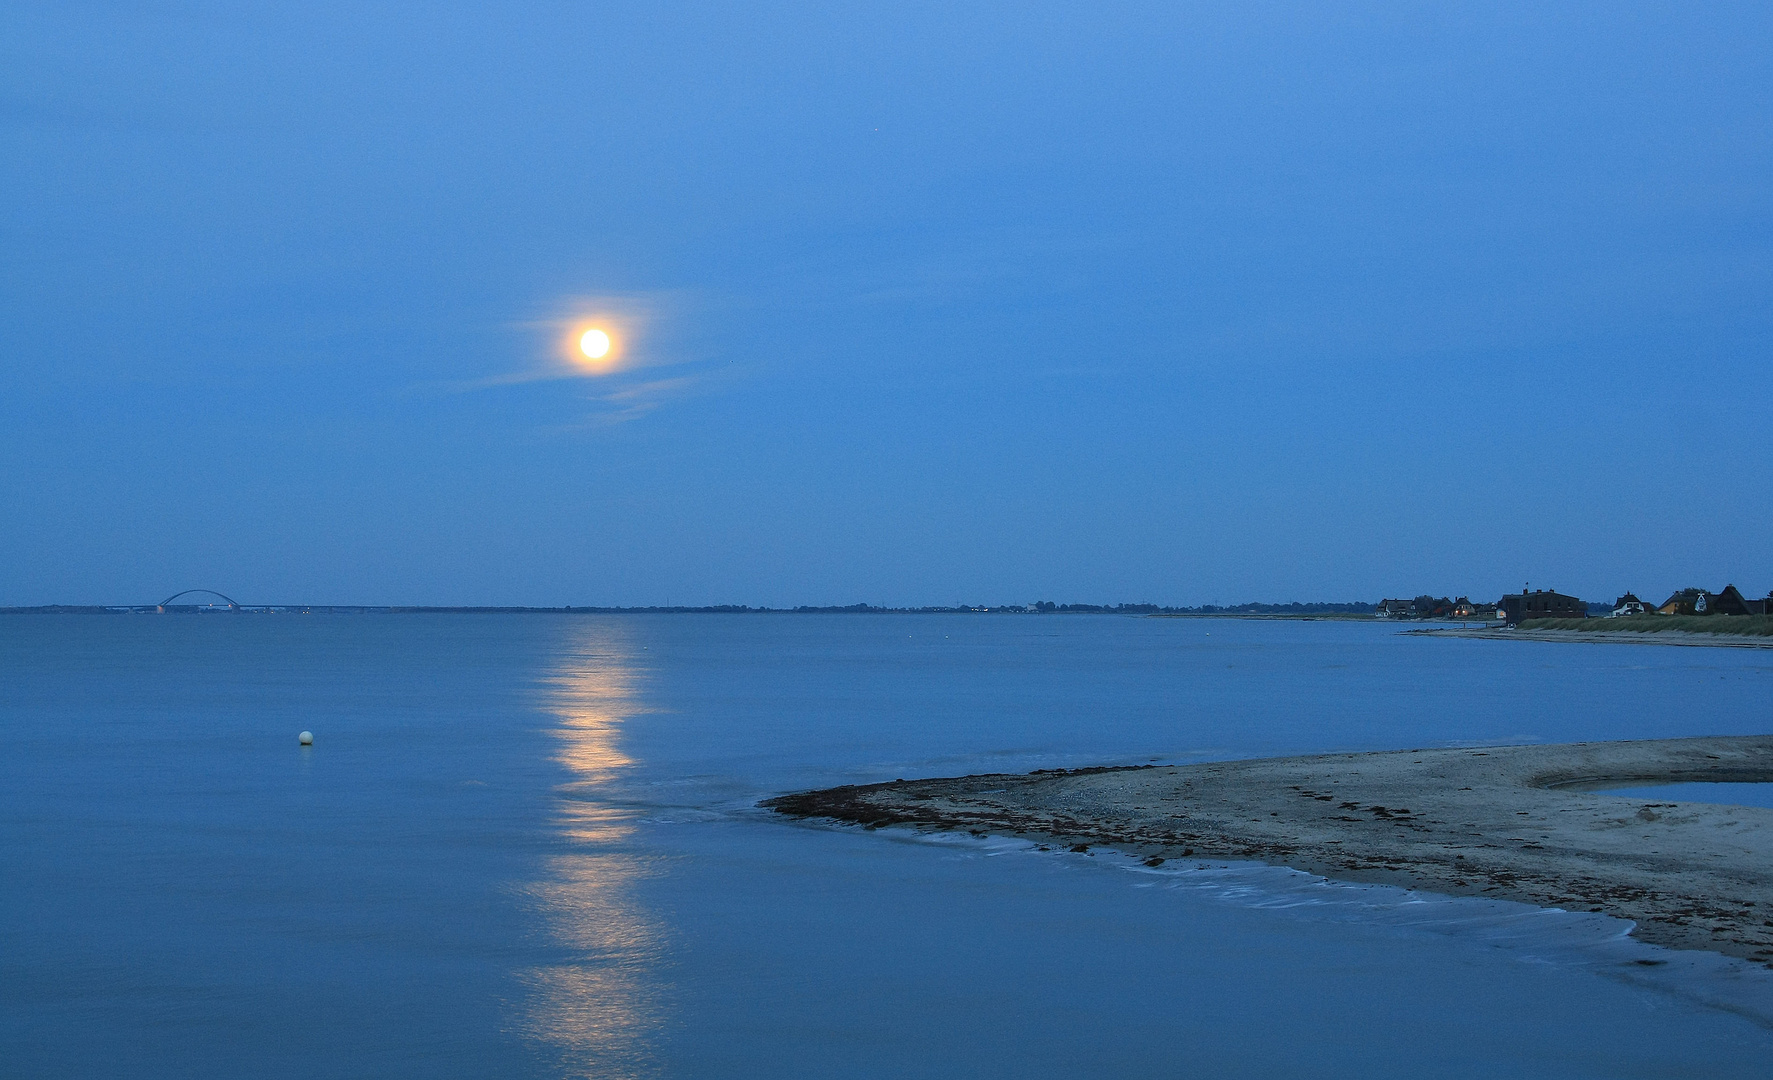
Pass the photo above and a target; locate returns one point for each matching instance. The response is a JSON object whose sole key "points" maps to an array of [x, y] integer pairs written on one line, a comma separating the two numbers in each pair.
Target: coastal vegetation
{"points": [[1746, 625]]}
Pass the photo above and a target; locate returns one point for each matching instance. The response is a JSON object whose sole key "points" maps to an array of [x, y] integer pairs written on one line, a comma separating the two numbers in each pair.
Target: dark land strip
{"points": [[1591, 637]]}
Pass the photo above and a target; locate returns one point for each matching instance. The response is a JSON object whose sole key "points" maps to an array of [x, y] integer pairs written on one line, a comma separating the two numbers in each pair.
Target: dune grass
{"points": [[1747, 625]]}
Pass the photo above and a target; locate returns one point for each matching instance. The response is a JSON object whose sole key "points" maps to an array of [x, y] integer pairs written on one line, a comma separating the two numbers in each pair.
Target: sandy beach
{"points": [[1619, 637], [1525, 823]]}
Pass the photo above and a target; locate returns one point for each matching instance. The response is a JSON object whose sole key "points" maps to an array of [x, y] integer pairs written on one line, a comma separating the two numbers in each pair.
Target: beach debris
{"points": [[306, 738]]}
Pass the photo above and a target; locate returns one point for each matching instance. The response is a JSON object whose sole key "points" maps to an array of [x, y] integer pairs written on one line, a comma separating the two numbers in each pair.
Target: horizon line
{"points": [[1037, 608]]}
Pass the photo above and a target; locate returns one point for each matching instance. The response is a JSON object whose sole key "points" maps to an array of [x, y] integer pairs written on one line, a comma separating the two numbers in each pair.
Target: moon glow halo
{"points": [[594, 341], [594, 344]]}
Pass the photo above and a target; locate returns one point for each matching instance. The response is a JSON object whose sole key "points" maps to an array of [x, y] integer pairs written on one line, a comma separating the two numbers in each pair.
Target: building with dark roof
{"points": [[1701, 602], [1540, 604], [1463, 608], [1685, 602], [1728, 602]]}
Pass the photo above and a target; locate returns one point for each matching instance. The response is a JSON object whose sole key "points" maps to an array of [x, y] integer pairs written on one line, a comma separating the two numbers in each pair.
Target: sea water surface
{"points": [[1726, 794], [528, 846]]}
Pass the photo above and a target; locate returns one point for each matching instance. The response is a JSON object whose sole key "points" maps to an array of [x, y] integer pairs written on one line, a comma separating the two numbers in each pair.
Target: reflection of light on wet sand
{"points": [[598, 1005]]}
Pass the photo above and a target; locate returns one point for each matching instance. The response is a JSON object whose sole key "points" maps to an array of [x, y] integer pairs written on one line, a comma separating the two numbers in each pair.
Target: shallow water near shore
{"points": [[528, 846], [1730, 794]]}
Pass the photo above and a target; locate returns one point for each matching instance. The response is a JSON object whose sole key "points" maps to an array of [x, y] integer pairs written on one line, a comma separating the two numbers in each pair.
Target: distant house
{"points": [[1728, 602], [1430, 607], [1422, 607], [1630, 605], [1701, 602], [1463, 608], [1685, 602], [1540, 604]]}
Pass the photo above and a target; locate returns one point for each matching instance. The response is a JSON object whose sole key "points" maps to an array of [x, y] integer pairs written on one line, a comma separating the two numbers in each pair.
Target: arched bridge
{"points": [[232, 606]]}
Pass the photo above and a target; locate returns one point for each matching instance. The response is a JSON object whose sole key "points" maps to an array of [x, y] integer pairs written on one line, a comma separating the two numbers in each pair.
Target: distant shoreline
{"points": [[1329, 612], [1594, 637]]}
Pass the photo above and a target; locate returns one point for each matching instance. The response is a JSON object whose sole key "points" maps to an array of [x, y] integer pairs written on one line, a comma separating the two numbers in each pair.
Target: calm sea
{"points": [[527, 846]]}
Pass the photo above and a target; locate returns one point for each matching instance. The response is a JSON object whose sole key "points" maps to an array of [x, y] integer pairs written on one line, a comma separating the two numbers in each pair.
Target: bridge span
{"points": [[161, 606]]}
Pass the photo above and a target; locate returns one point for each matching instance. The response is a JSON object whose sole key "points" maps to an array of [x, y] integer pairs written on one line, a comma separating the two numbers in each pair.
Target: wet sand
{"points": [[1526, 823], [1604, 637]]}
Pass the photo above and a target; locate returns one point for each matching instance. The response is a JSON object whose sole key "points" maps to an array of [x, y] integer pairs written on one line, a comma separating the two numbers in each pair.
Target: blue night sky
{"points": [[918, 303]]}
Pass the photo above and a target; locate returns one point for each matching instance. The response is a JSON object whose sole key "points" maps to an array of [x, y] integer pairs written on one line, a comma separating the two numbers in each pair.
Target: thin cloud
{"points": [[638, 327], [639, 399]]}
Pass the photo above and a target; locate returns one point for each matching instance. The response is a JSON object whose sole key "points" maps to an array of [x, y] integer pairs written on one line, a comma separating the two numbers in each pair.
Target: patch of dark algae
{"points": [[1526, 823]]}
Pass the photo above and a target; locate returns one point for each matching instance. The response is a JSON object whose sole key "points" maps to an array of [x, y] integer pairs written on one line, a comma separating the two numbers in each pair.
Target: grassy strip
{"points": [[1749, 625], [1352, 616]]}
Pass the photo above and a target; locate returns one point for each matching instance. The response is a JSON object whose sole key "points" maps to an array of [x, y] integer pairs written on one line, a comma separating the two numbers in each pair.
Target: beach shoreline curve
{"points": [[1526, 823]]}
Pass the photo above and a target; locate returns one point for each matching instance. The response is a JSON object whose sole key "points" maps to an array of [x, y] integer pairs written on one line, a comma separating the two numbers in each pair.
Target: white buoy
{"points": [[306, 738]]}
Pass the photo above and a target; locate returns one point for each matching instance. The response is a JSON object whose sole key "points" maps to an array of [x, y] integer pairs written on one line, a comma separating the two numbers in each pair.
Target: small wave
{"points": [[1579, 940]]}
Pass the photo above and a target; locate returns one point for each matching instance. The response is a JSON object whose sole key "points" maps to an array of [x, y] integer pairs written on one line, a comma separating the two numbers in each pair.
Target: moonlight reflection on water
{"points": [[597, 1005]]}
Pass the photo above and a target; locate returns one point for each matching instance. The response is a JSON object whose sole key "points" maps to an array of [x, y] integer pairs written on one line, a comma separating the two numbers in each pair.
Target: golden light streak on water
{"points": [[598, 1007]]}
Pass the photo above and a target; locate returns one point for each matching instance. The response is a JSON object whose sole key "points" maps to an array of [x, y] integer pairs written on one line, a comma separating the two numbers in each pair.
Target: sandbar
{"points": [[1596, 637], [1525, 823]]}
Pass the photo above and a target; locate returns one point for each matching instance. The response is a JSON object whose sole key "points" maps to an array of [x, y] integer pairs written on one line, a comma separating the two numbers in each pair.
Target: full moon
{"points": [[594, 344]]}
